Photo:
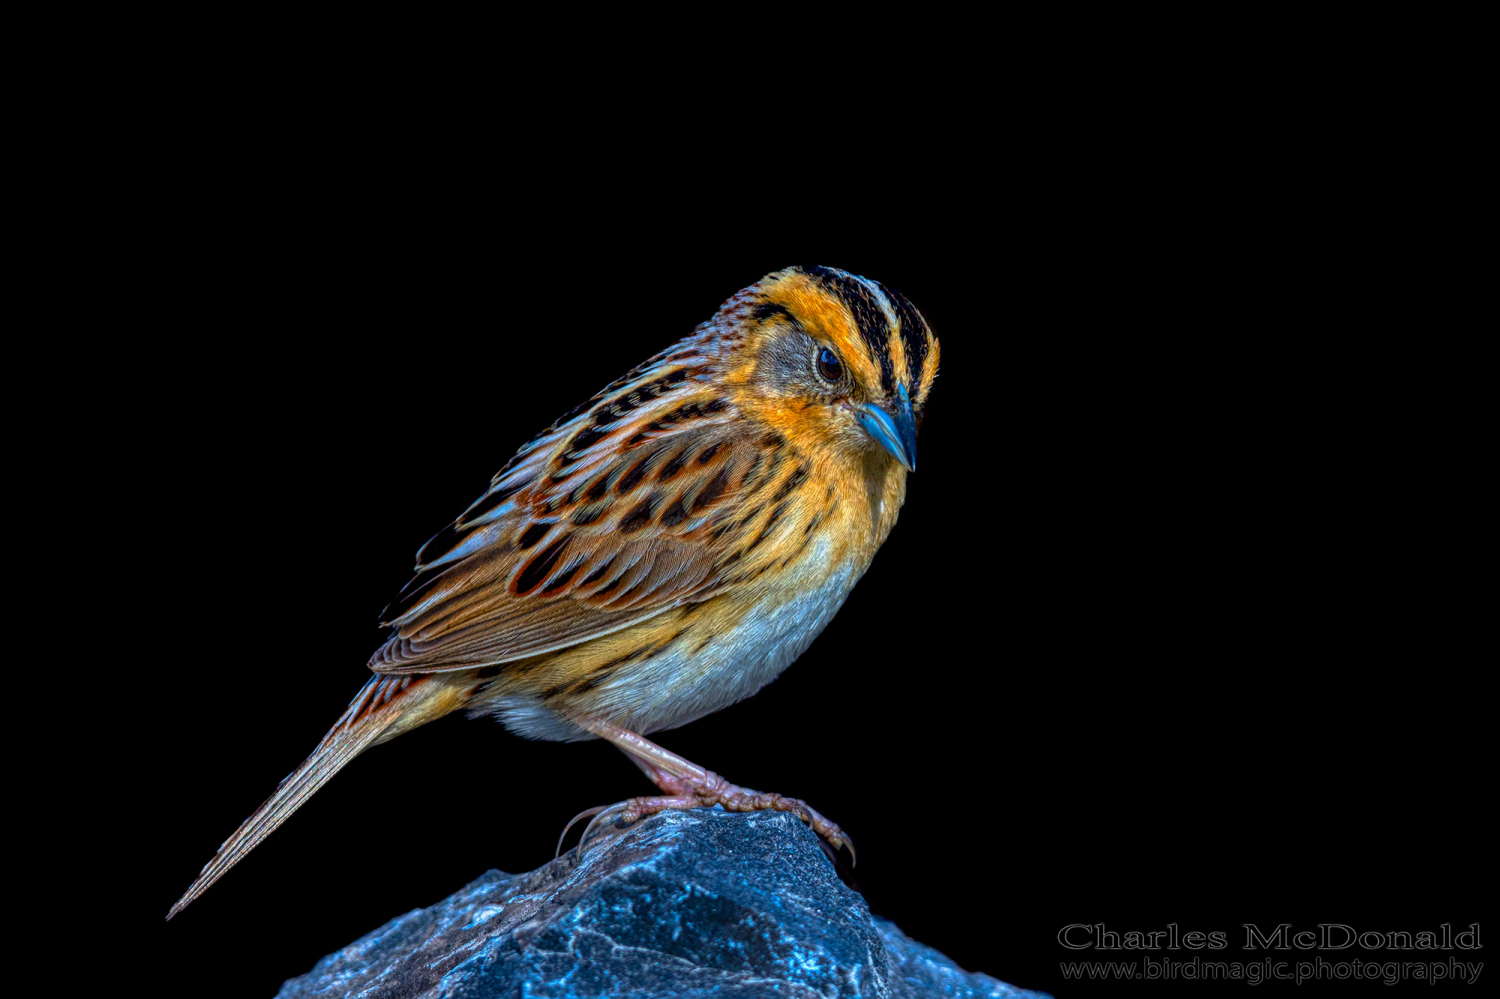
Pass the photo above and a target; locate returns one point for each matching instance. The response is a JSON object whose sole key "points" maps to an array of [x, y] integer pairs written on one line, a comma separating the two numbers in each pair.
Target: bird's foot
{"points": [[711, 789], [688, 785]]}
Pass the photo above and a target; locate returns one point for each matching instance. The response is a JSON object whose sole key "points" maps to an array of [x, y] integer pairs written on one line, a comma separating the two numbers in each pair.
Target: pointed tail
{"points": [[385, 707]]}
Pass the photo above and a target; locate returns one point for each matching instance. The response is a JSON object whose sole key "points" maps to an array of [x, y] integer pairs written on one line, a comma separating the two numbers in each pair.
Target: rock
{"points": [[682, 904]]}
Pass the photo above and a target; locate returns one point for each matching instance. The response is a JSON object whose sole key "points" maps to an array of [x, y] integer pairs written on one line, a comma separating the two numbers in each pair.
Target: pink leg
{"points": [[688, 785]]}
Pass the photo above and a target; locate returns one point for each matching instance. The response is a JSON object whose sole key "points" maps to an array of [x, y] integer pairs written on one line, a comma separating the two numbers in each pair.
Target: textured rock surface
{"points": [[682, 904]]}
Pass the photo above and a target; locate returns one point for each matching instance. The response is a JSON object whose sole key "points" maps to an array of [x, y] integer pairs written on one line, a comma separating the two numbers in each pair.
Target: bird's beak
{"points": [[893, 429]]}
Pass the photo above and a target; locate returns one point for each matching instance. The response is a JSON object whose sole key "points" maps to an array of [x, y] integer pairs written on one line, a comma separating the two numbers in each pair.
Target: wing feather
{"points": [[611, 516]]}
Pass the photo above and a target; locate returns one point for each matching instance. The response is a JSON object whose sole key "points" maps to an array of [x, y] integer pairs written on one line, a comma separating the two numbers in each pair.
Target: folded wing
{"points": [[618, 512]]}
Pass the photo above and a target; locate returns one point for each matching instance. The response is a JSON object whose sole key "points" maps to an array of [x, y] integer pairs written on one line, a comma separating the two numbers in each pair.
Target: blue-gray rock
{"points": [[681, 904]]}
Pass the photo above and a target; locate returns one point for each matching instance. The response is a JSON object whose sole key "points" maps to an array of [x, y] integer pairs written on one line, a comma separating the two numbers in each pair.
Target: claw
{"points": [[602, 812], [825, 829], [571, 822]]}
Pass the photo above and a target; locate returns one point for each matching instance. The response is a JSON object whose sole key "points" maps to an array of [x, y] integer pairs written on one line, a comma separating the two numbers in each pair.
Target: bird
{"points": [[659, 552]]}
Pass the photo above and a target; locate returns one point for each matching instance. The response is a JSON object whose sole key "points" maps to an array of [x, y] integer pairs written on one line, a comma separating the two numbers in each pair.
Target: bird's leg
{"points": [[688, 785]]}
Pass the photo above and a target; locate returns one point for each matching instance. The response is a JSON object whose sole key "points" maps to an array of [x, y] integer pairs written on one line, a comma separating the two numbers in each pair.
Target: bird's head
{"points": [[829, 358]]}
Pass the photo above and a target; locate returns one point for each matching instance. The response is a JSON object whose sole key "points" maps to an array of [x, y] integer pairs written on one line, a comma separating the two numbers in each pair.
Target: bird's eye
{"points": [[829, 366]]}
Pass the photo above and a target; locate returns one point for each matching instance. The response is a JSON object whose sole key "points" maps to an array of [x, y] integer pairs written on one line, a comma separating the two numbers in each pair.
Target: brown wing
{"points": [[611, 516]]}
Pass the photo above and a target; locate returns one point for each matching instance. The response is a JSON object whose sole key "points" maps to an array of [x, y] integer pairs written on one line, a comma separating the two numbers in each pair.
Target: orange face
{"points": [[834, 359]]}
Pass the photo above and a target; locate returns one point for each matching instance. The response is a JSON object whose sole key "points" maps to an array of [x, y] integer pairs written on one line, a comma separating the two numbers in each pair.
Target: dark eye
{"points": [[829, 366]]}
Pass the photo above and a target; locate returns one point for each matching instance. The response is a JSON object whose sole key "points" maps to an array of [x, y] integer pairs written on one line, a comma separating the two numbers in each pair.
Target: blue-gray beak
{"points": [[893, 429]]}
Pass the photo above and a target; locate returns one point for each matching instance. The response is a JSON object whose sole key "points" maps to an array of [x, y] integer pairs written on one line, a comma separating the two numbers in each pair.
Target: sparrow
{"points": [[661, 551]]}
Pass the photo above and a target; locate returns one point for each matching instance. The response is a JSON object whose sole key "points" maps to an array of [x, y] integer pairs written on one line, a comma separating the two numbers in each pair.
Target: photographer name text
{"points": [[1324, 936]]}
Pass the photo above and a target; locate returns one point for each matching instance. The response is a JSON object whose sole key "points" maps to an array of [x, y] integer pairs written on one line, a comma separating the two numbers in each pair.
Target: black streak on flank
{"points": [[869, 318], [619, 661], [541, 566], [914, 335], [639, 517], [800, 549], [582, 686], [601, 673]]}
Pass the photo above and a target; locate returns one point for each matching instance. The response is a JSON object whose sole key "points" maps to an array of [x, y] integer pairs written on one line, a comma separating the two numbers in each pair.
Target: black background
{"points": [[1157, 639]]}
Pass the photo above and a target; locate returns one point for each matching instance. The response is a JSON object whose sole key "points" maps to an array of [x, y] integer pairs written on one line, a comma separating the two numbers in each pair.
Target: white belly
{"points": [[684, 682], [746, 658]]}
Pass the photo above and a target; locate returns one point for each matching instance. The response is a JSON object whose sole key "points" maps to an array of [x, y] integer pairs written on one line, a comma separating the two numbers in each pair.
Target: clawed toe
{"points": [[574, 821], [827, 830], [737, 799], [638, 808], [602, 814]]}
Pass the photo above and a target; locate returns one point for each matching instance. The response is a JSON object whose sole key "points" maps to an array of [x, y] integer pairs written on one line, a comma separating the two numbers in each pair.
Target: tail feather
{"points": [[372, 714]]}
